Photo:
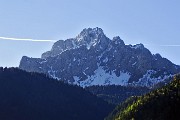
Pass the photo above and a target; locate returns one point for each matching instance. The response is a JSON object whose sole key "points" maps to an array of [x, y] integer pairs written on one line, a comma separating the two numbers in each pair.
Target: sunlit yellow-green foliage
{"points": [[160, 104]]}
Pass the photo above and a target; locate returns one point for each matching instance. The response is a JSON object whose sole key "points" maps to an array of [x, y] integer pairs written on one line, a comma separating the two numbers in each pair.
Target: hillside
{"points": [[117, 94], [160, 104], [34, 96]]}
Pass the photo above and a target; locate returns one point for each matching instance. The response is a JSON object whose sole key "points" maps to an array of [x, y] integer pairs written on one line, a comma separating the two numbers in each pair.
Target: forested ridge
{"points": [[160, 104], [116, 94], [35, 96]]}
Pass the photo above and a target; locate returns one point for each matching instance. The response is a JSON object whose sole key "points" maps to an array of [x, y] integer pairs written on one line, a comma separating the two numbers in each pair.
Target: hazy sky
{"points": [[155, 23]]}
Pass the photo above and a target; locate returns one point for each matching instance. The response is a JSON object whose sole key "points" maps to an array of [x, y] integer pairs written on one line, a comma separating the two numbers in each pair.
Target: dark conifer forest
{"points": [[117, 94], [35, 96], [160, 104]]}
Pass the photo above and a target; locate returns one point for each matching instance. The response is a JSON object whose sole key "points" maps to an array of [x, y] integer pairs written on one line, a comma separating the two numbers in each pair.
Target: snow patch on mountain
{"points": [[43, 61], [92, 43], [52, 73], [105, 60], [148, 80], [74, 44], [101, 77]]}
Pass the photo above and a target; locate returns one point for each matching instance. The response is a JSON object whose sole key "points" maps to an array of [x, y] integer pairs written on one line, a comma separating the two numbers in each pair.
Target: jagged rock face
{"points": [[91, 58]]}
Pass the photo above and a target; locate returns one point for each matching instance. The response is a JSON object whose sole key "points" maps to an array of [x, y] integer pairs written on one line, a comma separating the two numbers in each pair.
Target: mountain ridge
{"points": [[91, 58]]}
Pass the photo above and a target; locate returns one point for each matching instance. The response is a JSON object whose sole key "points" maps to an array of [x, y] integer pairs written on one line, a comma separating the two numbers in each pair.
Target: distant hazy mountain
{"points": [[160, 104], [91, 58], [34, 96]]}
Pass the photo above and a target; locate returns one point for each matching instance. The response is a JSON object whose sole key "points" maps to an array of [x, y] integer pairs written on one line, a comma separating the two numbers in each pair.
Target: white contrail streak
{"points": [[170, 45], [38, 40], [26, 39]]}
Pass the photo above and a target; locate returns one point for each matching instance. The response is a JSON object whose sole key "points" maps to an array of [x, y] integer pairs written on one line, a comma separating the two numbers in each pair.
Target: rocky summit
{"points": [[91, 58]]}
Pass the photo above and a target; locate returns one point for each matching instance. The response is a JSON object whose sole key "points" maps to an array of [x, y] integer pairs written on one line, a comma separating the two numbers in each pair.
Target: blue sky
{"points": [[155, 23]]}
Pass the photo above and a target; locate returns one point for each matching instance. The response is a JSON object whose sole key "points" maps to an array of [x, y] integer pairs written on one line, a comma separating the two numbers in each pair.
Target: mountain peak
{"points": [[93, 33], [96, 30], [92, 37], [118, 40], [138, 46]]}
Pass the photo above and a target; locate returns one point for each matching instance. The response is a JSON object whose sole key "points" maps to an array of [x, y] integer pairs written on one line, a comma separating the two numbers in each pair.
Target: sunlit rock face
{"points": [[91, 58]]}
